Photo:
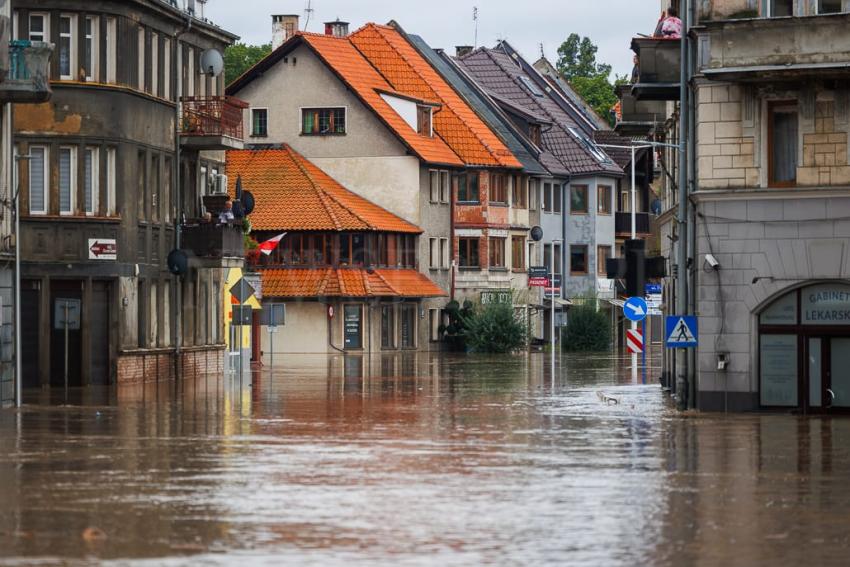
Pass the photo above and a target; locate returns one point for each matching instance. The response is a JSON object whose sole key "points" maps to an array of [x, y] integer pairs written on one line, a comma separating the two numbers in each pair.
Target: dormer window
{"points": [[594, 150], [534, 134], [423, 120], [529, 84]]}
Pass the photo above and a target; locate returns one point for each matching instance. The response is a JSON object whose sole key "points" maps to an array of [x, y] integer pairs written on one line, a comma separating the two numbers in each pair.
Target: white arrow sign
{"points": [[636, 309]]}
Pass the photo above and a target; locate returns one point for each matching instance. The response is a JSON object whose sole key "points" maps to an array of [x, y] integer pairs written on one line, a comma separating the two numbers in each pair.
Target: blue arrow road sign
{"points": [[681, 331], [635, 309]]}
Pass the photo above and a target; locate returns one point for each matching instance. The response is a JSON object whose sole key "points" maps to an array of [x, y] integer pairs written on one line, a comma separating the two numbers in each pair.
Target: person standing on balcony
{"points": [[226, 214], [671, 26]]}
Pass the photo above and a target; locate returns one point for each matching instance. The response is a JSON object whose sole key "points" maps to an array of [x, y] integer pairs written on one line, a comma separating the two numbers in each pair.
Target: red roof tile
{"points": [[330, 282], [291, 193], [407, 71], [356, 72]]}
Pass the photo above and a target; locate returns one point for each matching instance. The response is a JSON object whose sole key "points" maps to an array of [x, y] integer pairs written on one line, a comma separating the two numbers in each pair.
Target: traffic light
{"points": [[635, 267]]}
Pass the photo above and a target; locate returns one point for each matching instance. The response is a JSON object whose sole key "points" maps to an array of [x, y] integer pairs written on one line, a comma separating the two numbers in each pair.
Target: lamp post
{"points": [[18, 363], [552, 301]]}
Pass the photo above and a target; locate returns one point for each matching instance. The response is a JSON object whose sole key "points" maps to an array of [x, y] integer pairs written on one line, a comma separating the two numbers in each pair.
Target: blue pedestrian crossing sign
{"points": [[635, 309], [681, 331]]}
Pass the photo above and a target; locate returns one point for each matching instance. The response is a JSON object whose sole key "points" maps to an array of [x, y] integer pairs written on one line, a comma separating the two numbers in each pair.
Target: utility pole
{"points": [[682, 387]]}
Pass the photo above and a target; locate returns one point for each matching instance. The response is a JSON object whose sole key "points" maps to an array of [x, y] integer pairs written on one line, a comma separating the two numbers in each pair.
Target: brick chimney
{"points": [[463, 50], [337, 28], [284, 26]]}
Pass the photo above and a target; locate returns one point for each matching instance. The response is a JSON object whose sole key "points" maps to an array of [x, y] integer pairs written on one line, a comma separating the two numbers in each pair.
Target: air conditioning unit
{"points": [[219, 185]]}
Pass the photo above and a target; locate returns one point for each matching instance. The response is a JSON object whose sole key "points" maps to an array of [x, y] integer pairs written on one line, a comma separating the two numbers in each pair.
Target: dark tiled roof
{"points": [[623, 157], [554, 78], [497, 72], [479, 102]]}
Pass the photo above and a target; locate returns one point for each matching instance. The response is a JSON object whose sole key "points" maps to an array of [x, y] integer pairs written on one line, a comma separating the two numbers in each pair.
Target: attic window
{"points": [[322, 121], [594, 150], [529, 84], [423, 120], [534, 134]]}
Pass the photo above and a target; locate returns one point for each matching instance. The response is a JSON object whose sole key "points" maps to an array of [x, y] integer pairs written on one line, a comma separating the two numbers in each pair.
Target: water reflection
{"points": [[418, 459]]}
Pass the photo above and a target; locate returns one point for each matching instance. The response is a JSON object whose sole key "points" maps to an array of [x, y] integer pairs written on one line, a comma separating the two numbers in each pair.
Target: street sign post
{"points": [[681, 331], [66, 317], [634, 341], [553, 286], [635, 309]]}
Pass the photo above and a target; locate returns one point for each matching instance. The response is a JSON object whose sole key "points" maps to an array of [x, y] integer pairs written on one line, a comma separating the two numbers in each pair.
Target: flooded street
{"points": [[418, 460]]}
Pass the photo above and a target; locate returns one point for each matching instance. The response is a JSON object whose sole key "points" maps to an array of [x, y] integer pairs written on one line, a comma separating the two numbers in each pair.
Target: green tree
{"points": [[588, 329], [591, 80], [240, 57], [494, 328]]}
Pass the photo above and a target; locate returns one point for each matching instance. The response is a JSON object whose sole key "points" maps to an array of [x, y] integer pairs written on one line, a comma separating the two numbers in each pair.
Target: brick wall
{"points": [[726, 155], [824, 151], [147, 367]]}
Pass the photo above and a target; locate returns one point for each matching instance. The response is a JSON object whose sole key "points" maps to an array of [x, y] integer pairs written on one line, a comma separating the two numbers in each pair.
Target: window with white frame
{"points": [[67, 179], [166, 68], [38, 179], [780, 8], [91, 177], [111, 173], [67, 47], [260, 122], [39, 27], [111, 49], [833, 6], [445, 186], [155, 64], [444, 253], [91, 57], [140, 79]]}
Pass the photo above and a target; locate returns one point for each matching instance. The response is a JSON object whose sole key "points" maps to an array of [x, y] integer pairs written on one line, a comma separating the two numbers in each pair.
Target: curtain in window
{"points": [[88, 182], [65, 180], [37, 179], [785, 147]]}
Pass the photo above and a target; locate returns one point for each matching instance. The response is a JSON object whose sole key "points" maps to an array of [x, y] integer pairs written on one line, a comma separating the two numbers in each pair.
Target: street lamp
{"points": [[18, 365]]}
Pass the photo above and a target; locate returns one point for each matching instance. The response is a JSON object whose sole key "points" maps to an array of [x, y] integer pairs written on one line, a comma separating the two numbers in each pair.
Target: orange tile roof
{"points": [[359, 75], [291, 193], [407, 71], [347, 282]]}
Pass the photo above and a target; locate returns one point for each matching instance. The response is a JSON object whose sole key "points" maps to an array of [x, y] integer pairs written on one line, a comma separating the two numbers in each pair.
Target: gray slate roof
{"points": [[498, 73], [482, 106]]}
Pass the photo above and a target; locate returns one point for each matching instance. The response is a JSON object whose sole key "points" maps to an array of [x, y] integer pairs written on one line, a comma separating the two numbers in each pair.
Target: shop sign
{"points": [[826, 305]]}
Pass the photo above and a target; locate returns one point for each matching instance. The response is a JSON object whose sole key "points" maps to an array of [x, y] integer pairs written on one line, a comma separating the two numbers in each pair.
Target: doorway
{"points": [[828, 374], [62, 292]]}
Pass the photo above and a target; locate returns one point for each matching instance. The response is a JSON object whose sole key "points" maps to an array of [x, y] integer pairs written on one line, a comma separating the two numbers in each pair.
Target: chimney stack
{"points": [[284, 26], [463, 50], [337, 28]]}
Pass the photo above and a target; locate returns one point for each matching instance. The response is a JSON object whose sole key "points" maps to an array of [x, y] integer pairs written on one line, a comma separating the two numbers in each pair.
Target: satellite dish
{"points": [[212, 63], [178, 262], [537, 234]]}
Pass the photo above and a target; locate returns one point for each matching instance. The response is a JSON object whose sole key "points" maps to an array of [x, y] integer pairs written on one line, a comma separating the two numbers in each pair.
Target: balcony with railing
{"points": [[214, 243], [27, 79], [638, 117], [212, 123], [623, 225], [776, 49], [659, 68]]}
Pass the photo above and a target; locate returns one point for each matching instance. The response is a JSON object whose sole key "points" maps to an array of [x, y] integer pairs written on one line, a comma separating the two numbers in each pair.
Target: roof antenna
{"points": [[475, 19], [308, 11], [542, 52]]}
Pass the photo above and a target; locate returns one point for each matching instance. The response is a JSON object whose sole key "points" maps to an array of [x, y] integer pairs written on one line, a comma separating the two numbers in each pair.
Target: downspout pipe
{"points": [[692, 220], [682, 214], [178, 221]]}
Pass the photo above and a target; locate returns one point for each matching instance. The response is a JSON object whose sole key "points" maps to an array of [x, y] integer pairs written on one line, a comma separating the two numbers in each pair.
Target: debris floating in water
{"points": [[606, 399]]}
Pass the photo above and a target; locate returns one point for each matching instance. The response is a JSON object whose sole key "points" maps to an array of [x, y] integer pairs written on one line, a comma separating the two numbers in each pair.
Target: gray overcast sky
{"points": [[446, 23]]}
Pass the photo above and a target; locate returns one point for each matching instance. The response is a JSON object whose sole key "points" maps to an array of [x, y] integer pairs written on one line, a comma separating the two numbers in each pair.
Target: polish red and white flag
{"points": [[269, 245]]}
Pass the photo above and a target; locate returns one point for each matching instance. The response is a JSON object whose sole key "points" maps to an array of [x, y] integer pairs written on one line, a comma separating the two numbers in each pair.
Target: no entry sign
{"points": [[634, 341]]}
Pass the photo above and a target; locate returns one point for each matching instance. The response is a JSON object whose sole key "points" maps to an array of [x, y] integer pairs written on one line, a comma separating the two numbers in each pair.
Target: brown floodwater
{"points": [[417, 460]]}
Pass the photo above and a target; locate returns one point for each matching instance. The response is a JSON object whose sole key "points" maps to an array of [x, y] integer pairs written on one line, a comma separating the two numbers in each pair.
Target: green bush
{"points": [[494, 328], [454, 333], [588, 329]]}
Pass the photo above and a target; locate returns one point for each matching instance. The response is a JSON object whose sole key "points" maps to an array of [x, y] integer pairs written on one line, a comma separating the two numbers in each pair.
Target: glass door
{"points": [[837, 383]]}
